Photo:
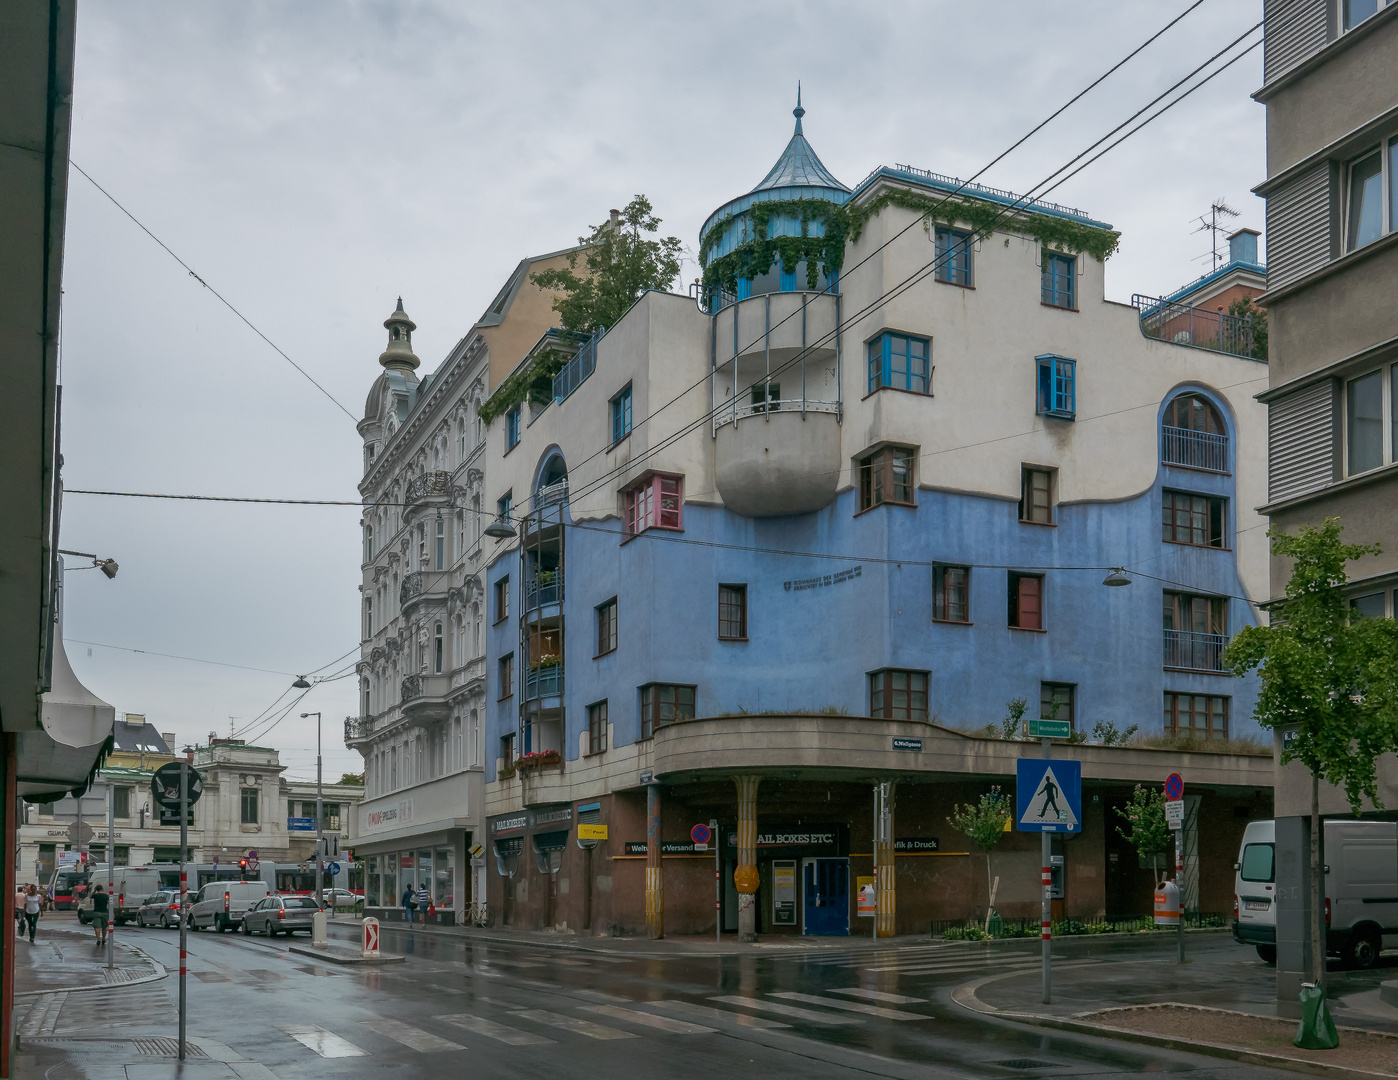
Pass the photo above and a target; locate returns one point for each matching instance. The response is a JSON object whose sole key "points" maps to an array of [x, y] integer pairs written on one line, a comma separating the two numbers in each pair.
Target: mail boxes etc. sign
{"points": [[797, 840], [543, 818]]}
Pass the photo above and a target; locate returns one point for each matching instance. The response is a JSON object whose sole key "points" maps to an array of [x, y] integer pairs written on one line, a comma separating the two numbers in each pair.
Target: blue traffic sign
{"points": [[333, 869], [1174, 787], [1048, 795]]}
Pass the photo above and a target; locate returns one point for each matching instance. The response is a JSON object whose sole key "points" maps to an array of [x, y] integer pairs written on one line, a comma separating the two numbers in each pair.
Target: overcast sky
{"points": [[314, 161]]}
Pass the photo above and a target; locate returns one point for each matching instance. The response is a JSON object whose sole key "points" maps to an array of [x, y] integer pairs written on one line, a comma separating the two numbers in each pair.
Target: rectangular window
{"points": [[1370, 606], [504, 507], [1036, 496], [1196, 716], [1198, 520], [121, 802], [1058, 286], [507, 750], [654, 503], [1027, 601], [1364, 427], [250, 815], [733, 612], [502, 599], [506, 676], [621, 416], [664, 703], [886, 476], [951, 590], [900, 362], [606, 627], [898, 695], [437, 644], [1196, 631], [440, 545], [1057, 701], [597, 727], [512, 429], [953, 257], [1058, 387], [1356, 11]]}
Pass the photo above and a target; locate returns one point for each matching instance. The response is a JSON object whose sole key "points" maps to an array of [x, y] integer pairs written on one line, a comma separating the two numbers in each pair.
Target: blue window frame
{"points": [[954, 257], [1059, 288], [1058, 386], [512, 428], [788, 282], [901, 362], [621, 416], [505, 505]]}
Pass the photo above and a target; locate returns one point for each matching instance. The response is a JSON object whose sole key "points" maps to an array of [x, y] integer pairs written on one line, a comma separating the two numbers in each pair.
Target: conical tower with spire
{"points": [[399, 355]]}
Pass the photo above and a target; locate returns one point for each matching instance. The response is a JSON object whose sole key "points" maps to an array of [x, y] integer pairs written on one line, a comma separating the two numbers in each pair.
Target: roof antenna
{"points": [[1209, 223], [798, 112]]}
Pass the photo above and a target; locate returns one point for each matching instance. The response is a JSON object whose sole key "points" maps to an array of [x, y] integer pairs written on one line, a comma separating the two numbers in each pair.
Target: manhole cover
{"points": [[1025, 1064]]}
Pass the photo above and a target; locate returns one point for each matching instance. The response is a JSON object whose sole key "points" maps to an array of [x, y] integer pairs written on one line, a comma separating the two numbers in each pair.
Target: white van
{"points": [[1361, 890], [220, 904], [130, 886]]}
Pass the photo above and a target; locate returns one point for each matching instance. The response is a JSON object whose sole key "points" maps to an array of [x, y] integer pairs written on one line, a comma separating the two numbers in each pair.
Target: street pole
{"points": [[320, 828], [111, 869], [1179, 884], [184, 892], [877, 816], [718, 882], [1046, 904]]}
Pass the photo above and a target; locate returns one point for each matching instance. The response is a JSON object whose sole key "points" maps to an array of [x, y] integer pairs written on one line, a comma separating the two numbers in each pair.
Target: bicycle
{"points": [[479, 914]]}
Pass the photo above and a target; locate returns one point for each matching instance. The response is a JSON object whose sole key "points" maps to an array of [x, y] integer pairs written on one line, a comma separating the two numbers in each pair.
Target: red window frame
{"points": [[951, 593], [606, 627], [1205, 715], [898, 694], [665, 703], [1026, 601], [656, 502], [597, 727]]}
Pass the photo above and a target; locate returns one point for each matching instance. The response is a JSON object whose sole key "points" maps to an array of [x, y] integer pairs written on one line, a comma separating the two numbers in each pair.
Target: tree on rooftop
{"points": [[619, 263], [1329, 681]]}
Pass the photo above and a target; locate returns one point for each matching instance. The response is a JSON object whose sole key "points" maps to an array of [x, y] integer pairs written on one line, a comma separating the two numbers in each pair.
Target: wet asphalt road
{"points": [[490, 1010]]}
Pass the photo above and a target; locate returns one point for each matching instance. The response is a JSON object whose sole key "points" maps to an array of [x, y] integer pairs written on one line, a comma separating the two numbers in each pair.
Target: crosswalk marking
{"points": [[852, 1006], [829, 1019], [572, 1023], [709, 1014], [413, 1038], [598, 995], [491, 1030], [664, 1023], [878, 995], [325, 1043], [950, 967]]}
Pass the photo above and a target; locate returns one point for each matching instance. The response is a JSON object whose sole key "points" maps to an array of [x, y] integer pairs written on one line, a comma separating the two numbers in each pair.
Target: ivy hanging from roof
{"points": [[532, 381], [755, 255]]}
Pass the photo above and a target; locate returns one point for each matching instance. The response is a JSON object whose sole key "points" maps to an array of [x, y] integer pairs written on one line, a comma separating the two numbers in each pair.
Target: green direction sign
{"points": [[1050, 729]]}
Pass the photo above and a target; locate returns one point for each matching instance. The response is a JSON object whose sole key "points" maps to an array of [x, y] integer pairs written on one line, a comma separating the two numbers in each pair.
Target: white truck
{"points": [[1361, 890]]}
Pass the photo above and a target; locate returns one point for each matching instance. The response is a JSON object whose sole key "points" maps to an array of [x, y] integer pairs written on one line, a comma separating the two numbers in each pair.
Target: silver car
{"points": [[275, 915], [160, 909]]}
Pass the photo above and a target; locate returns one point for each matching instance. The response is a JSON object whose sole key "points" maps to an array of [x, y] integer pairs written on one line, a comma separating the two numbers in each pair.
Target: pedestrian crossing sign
{"points": [[1048, 795]]}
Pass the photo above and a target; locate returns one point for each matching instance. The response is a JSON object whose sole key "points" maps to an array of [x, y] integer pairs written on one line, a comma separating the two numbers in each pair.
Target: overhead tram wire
{"points": [[919, 275], [961, 186], [221, 298]]}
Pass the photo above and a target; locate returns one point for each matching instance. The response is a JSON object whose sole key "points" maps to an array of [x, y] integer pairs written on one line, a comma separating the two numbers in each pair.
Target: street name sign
{"points": [[1048, 795], [906, 744], [165, 786], [1174, 813], [1049, 729]]}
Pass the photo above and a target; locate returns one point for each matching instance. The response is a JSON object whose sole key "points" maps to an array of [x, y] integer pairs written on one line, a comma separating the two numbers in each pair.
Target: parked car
{"points": [[336, 898], [220, 904], [160, 909], [275, 915], [1361, 890]]}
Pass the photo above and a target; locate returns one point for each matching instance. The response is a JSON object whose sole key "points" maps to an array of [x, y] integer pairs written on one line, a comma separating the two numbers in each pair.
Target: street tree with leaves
{"points": [[1329, 680], [1146, 830], [618, 263], [984, 822]]}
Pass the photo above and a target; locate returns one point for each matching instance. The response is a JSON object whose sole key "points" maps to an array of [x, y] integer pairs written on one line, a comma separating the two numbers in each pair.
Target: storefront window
{"points": [[389, 896], [443, 893], [424, 872], [371, 891]]}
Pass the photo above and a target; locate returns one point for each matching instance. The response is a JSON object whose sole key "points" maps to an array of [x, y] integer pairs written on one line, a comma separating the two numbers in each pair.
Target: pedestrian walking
{"points": [[409, 903], [32, 902], [19, 910], [99, 914], [423, 901]]}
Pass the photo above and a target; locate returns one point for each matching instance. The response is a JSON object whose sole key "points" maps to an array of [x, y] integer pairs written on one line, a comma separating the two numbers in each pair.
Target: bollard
{"points": [[318, 930], [371, 939]]}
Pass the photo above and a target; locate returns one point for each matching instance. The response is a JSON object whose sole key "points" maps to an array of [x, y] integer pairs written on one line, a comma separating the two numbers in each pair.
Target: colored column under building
{"points": [[745, 876], [885, 917], [655, 880]]}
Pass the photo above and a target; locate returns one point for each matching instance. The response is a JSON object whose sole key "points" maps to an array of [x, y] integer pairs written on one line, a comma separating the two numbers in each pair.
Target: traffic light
{"points": [[243, 869]]}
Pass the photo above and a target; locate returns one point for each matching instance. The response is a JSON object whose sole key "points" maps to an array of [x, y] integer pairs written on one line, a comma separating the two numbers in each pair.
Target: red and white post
{"points": [[1046, 904]]}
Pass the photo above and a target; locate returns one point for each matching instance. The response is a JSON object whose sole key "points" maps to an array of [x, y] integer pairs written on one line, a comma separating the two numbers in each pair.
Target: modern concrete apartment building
{"points": [[1331, 92]]}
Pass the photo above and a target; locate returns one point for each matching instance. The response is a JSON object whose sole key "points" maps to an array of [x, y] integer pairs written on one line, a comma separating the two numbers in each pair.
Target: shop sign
{"points": [[510, 823], [804, 840], [911, 845], [667, 847], [592, 832], [561, 815], [784, 893], [384, 817]]}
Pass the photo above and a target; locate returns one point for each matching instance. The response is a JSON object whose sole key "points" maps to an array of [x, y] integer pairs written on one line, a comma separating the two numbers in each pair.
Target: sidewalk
{"points": [[1222, 1002], [65, 958]]}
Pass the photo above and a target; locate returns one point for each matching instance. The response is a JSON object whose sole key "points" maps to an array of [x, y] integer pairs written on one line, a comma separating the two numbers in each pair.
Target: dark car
{"points": [[275, 915]]}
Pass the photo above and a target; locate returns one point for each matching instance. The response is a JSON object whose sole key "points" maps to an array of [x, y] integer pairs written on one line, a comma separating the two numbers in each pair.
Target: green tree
{"points": [[1329, 679], [1107, 733], [619, 264], [1244, 308], [1146, 830], [1014, 713], [352, 778], [984, 822]]}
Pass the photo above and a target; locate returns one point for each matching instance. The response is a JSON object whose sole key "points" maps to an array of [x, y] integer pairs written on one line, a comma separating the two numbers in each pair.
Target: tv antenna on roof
{"points": [[1209, 223]]}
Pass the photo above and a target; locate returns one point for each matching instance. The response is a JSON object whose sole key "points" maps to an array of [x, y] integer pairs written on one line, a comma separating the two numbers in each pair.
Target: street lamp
{"points": [[1117, 578], [320, 818], [301, 684], [107, 566], [500, 529]]}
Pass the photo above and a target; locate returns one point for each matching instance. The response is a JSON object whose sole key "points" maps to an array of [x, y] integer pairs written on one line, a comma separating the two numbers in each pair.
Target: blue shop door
{"points": [[825, 888]]}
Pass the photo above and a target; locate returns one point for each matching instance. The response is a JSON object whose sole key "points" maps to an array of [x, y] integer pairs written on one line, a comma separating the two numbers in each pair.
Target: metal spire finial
{"points": [[798, 112]]}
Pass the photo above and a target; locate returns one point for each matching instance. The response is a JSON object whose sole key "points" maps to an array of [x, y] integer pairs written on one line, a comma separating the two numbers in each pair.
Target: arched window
{"points": [[368, 543], [1192, 434]]}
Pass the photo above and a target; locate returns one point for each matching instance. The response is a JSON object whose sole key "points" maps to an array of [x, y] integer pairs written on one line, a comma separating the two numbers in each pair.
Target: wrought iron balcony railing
{"points": [[1192, 651], [358, 728], [1196, 449], [428, 485], [1198, 327]]}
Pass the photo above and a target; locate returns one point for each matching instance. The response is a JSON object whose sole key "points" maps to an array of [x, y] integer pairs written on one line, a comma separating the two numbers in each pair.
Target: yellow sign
{"points": [[592, 832]]}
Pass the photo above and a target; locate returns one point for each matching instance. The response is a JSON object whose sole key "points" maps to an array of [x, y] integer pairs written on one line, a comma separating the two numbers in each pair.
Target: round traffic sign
{"points": [[165, 785], [1174, 787], [252, 854], [700, 834], [333, 869]]}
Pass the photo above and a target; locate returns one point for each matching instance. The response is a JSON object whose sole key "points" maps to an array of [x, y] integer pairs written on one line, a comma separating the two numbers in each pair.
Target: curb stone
{"points": [[158, 971]]}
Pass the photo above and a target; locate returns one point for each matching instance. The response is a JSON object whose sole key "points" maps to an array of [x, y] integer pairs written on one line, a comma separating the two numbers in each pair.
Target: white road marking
{"points": [[829, 1019], [712, 1015], [325, 1043], [598, 995], [573, 1024], [413, 1038], [927, 967], [877, 995], [491, 1030], [664, 1023], [851, 1006]]}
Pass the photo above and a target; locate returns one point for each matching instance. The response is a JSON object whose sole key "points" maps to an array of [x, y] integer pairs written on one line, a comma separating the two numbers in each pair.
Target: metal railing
{"points": [[575, 372], [1197, 327], [544, 590], [796, 405], [1195, 449], [412, 586], [429, 484], [544, 682], [1193, 651], [412, 687], [358, 728], [557, 492]]}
